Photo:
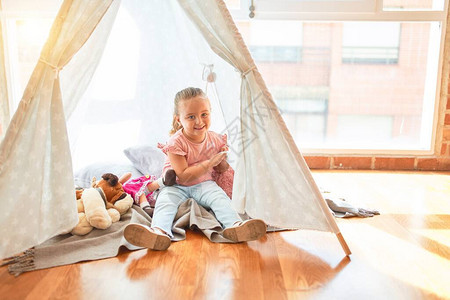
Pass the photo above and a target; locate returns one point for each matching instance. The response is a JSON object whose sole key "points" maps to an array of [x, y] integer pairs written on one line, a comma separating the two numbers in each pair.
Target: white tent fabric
{"points": [[272, 180], [4, 104], [36, 179]]}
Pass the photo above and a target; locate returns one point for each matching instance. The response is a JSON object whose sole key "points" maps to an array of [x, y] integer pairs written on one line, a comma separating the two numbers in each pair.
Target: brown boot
{"points": [[248, 230], [144, 236]]}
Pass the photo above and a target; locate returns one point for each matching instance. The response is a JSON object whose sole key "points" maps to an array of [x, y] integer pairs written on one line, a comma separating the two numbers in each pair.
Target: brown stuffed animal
{"points": [[101, 205], [111, 188]]}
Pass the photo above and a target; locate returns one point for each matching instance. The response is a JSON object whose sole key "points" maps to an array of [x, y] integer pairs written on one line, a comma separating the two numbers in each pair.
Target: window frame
{"points": [[355, 6], [278, 12]]}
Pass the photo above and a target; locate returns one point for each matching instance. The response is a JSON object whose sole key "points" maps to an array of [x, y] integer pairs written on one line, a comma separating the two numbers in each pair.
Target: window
{"points": [[363, 82], [268, 45], [370, 43], [276, 53], [25, 29]]}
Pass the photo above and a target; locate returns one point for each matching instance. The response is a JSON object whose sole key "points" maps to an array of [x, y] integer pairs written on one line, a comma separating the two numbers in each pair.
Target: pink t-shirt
{"points": [[194, 152]]}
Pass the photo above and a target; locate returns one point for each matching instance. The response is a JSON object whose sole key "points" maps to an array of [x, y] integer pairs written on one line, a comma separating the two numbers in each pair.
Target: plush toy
{"points": [[101, 205]]}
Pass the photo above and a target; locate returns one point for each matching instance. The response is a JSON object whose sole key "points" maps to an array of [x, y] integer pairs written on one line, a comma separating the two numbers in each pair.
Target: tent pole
{"points": [[343, 244], [322, 202], [324, 206]]}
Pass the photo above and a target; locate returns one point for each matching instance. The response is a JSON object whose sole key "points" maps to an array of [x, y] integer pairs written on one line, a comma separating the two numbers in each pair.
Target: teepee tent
{"points": [[272, 180]]}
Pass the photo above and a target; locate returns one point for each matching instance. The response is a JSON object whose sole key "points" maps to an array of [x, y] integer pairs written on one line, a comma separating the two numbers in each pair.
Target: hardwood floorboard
{"points": [[404, 253], [273, 282]]}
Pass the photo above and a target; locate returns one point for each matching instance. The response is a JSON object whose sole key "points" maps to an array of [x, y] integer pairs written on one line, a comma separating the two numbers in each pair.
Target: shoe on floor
{"points": [[144, 236], [248, 230]]}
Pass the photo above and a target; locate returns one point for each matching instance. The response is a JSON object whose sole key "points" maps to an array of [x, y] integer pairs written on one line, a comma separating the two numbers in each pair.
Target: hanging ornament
{"points": [[211, 77], [208, 74]]}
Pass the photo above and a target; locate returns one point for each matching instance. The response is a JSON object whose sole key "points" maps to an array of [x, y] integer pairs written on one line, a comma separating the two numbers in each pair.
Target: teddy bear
{"points": [[101, 205]]}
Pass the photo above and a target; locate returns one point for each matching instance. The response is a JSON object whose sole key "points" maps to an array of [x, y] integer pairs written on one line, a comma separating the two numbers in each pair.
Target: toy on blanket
{"points": [[101, 205]]}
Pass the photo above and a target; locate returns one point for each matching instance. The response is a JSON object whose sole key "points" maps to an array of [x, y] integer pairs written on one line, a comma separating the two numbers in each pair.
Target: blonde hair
{"points": [[185, 94]]}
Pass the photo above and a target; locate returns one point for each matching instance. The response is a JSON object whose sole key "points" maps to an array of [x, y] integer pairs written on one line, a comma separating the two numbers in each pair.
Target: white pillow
{"points": [[83, 176], [148, 160]]}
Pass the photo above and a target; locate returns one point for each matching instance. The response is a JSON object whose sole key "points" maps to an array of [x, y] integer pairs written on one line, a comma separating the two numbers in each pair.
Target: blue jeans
{"points": [[208, 194]]}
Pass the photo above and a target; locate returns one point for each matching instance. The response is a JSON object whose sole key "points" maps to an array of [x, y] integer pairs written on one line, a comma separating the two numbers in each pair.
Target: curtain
{"points": [[36, 179], [4, 104], [272, 180]]}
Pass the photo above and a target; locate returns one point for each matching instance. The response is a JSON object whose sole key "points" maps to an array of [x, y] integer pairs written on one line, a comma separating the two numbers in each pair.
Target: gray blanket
{"points": [[342, 209], [68, 249]]}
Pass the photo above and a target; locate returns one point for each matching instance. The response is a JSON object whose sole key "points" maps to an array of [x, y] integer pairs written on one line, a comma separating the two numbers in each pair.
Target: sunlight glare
{"points": [[110, 147], [116, 75], [405, 260]]}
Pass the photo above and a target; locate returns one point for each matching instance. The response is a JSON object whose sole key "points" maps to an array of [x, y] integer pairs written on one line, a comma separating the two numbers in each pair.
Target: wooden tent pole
{"points": [[343, 243], [324, 205]]}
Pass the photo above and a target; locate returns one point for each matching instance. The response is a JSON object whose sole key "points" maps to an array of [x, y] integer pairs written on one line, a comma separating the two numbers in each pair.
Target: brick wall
{"points": [[440, 160]]}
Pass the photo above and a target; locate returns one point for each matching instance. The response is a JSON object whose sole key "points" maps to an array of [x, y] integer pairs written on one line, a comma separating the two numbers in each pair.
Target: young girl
{"points": [[193, 152], [142, 188]]}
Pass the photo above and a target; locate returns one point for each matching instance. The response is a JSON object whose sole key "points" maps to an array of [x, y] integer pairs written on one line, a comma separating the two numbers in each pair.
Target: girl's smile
{"points": [[194, 116]]}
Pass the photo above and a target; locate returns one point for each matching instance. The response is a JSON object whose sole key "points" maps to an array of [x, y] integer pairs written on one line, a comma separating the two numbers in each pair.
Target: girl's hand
{"points": [[217, 159], [223, 165]]}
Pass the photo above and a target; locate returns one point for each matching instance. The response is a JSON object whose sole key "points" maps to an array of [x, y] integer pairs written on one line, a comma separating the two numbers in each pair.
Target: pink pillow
{"points": [[225, 180]]}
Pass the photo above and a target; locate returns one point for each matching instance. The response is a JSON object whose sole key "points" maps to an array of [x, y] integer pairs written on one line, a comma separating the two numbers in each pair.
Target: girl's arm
{"points": [[223, 165], [187, 173]]}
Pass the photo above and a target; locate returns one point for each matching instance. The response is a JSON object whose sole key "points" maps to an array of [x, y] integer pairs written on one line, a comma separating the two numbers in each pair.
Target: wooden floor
{"points": [[402, 254]]}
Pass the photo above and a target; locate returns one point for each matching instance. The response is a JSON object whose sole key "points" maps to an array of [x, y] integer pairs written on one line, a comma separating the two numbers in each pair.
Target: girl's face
{"points": [[194, 116]]}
